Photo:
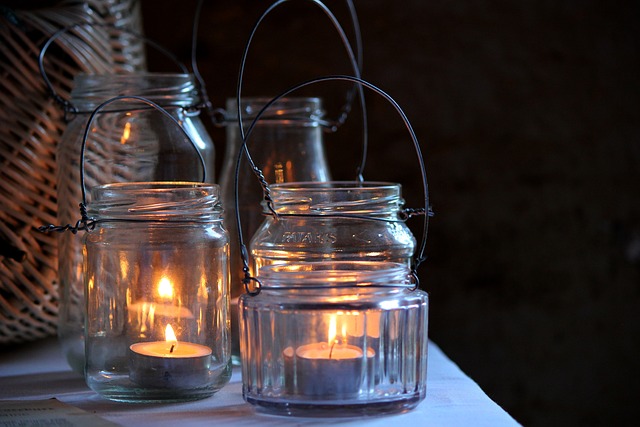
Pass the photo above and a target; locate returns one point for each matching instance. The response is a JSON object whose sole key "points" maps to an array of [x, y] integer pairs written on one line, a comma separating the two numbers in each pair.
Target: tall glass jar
{"points": [[287, 145], [334, 338], [333, 221], [128, 142], [157, 326]]}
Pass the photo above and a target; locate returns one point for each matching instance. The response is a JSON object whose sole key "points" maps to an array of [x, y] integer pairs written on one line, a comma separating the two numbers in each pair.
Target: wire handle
{"points": [[85, 223], [356, 64], [66, 104], [418, 259]]}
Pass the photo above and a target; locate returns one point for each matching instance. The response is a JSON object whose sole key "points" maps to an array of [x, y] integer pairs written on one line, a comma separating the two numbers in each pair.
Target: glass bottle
{"points": [[333, 221], [287, 145], [336, 338], [128, 142], [157, 326]]}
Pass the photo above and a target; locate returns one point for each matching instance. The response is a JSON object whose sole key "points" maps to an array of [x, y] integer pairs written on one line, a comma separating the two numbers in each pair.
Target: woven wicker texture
{"points": [[30, 126]]}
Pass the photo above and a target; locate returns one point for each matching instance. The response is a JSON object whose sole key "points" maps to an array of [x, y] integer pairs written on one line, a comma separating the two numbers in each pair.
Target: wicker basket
{"points": [[30, 127]]}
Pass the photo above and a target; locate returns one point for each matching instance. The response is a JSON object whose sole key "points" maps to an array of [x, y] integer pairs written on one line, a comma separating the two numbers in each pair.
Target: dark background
{"points": [[527, 113]]}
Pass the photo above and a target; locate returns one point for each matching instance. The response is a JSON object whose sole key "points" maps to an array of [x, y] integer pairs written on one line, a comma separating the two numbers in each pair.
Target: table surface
{"points": [[38, 371]]}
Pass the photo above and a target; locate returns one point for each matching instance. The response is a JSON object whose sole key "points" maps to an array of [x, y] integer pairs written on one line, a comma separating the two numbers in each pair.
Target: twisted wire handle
{"points": [[243, 150], [426, 212], [85, 223], [355, 64], [69, 108]]}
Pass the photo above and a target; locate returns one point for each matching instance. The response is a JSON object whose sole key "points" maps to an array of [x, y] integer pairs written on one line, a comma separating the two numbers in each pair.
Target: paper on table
{"points": [[27, 413]]}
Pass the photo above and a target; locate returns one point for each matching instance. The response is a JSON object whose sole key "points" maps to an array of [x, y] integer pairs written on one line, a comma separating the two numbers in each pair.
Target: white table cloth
{"points": [[38, 371]]}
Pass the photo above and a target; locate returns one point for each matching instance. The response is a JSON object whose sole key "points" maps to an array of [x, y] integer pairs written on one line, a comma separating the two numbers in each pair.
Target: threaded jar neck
{"points": [[165, 89], [294, 111], [156, 201], [337, 197]]}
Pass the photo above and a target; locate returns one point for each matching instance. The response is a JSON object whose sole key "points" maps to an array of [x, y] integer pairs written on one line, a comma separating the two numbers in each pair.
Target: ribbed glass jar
{"points": [[333, 221], [287, 145], [337, 338], [157, 291], [128, 142]]}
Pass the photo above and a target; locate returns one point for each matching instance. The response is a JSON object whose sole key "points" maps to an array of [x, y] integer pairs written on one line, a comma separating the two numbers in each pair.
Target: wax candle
{"points": [[169, 363], [332, 369]]}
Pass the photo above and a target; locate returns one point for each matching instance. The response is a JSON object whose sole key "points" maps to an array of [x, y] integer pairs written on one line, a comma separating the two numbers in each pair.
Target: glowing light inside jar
{"points": [[126, 133], [165, 288]]}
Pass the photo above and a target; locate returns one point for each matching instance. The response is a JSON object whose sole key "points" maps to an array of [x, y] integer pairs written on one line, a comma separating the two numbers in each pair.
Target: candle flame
{"points": [[126, 133], [332, 329], [170, 336], [165, 288]]}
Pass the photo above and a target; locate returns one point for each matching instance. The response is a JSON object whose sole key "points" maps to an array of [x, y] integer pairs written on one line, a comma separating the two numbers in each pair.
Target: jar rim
{"points": [[162, 200], [334, 186], [129, 75], [166, 89], [284, 99], [370, 198], [153, 185]]}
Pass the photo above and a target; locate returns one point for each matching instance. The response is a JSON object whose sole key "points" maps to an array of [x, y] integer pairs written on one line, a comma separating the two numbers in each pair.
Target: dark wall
{"points": [[528, 118]]}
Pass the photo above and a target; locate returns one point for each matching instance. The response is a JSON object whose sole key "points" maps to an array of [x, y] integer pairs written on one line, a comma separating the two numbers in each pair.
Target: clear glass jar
{"points": [[334, 338], [337, 221], [157, 325], [287, 145], [128, 142]]}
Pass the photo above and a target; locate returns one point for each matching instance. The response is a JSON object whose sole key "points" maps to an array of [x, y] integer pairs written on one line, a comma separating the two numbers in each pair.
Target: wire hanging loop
{"points": [[69, 109], [85, 223], [356, 64], [426, 212]]}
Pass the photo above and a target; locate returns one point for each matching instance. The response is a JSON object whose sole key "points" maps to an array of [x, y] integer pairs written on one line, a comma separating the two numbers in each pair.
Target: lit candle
{"points": [[169, 363], [332, 369]]}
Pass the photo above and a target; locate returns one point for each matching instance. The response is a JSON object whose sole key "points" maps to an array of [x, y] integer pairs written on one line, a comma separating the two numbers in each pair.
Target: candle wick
{"points": [[331, 349], [172, 346]]}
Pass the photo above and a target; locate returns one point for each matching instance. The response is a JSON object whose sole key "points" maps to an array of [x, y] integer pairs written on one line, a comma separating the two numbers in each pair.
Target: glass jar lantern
{"points": [[333, 221], [334, 338], [333, 322], [156, 275], [129, 142]]}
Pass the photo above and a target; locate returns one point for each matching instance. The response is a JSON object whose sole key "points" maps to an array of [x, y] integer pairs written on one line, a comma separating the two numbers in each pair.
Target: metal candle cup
{"points": [[152, 364], [330, 370], [169, 363]]}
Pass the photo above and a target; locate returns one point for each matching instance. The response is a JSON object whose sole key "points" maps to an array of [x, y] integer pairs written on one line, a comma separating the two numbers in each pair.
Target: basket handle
{"points": [[418, 258], [69, 109], [356, 64], [85, 223]]}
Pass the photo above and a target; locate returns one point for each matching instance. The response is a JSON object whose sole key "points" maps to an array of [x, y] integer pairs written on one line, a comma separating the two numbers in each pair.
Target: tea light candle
{"points": [[324, 370], [170, 363], [330, 369]]}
